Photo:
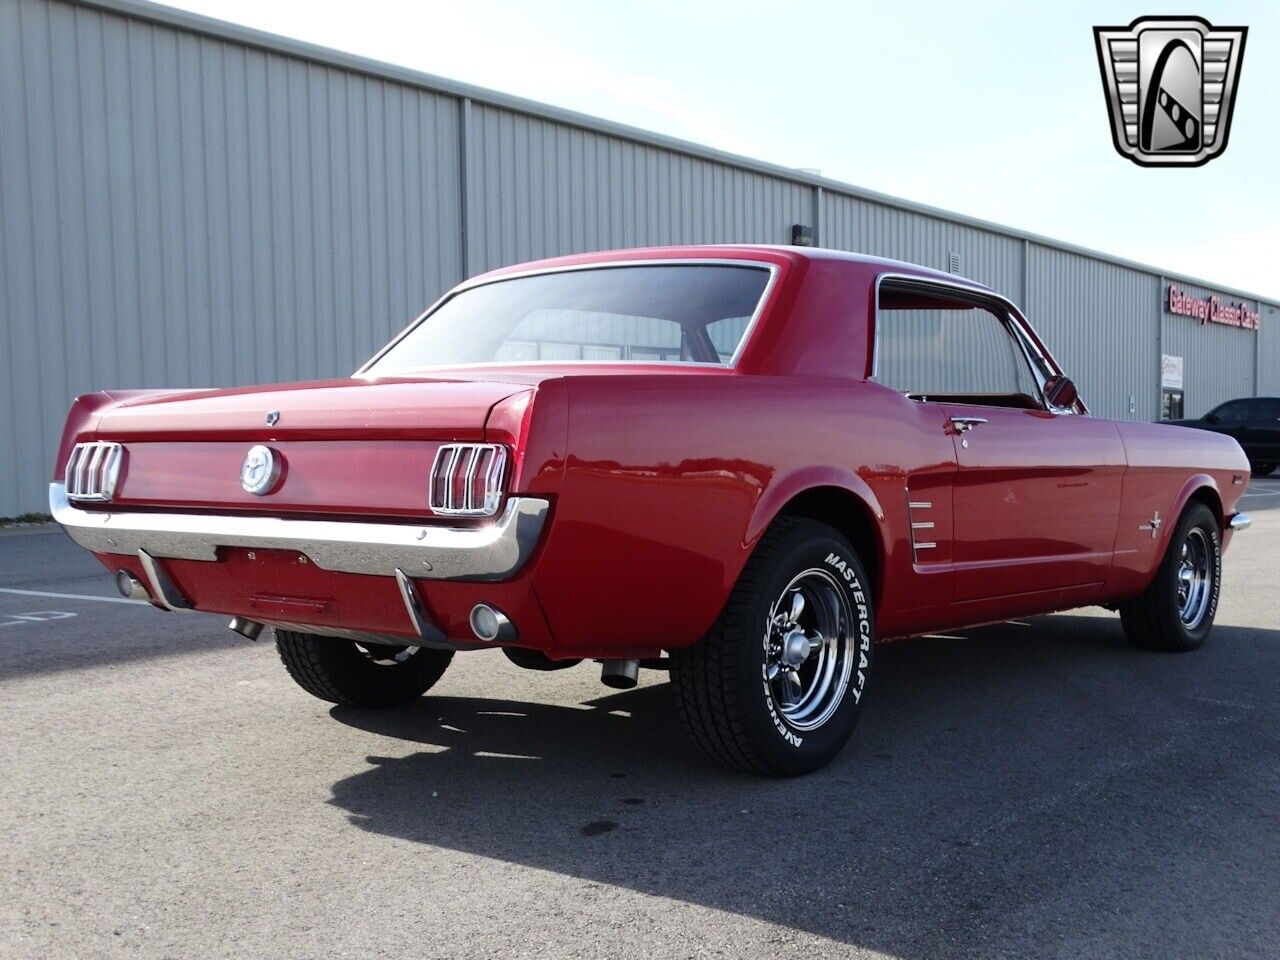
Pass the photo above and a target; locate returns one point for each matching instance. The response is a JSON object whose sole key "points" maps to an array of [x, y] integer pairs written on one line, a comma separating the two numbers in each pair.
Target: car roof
{"points": [[769, 253]]}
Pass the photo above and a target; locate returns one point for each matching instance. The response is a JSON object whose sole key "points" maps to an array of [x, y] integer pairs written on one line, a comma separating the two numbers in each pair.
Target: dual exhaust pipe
{"points": [[130, 587], [491, 625], [488, 623]]}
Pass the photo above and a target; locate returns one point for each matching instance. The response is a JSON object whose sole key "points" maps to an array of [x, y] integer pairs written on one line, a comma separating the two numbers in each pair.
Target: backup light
{"points": [[466, 479]]}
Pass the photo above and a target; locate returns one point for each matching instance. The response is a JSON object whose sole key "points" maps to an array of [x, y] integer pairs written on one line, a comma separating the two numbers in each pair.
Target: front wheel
{"points": [[777, 685], [1262, 469], [1176, 611], [359, 675]]}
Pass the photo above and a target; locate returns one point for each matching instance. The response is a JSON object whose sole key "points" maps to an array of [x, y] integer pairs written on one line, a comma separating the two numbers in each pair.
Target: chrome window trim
{"points": [[484, 280], [491, 551], [1012, 317]]}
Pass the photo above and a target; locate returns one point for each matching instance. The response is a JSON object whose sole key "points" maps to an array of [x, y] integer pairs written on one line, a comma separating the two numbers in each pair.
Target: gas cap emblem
{"points": [[260, 470]]}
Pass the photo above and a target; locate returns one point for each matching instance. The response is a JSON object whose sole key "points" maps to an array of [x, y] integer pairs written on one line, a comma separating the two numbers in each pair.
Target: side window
{"points": [[726, 334], [1236, 411], [1266, 409], [935, 347]]}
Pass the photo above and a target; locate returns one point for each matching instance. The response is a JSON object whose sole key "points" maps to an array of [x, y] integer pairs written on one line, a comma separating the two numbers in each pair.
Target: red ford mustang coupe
{"points": [[742, 464]]}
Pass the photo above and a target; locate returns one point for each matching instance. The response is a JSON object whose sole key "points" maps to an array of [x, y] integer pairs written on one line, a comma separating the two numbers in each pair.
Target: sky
{"points": [[994, 110]]}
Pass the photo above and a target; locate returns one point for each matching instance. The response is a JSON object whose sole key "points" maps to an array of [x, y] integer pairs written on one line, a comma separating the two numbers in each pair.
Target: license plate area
{"points": [[283, 583]]}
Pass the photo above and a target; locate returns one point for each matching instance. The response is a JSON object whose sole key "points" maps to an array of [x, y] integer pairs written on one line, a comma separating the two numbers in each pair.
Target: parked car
{"points": [[1253, 422], [742, 464]]}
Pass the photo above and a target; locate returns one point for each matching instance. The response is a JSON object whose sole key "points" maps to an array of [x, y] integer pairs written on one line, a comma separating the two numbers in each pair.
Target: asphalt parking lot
{"points": [[1025, 790]]}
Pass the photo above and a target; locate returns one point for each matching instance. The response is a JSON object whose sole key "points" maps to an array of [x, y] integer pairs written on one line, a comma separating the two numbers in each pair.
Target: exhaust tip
{"points": [[619, 674], [130, 586], [250, 629], [490, 624]]}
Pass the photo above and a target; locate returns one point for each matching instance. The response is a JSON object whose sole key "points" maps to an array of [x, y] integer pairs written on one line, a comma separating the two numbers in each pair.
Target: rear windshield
{"points": [[696, 313]]}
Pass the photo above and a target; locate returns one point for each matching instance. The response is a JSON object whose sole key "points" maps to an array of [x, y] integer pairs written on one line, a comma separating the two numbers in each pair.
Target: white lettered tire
{"points": [[778, 683]]}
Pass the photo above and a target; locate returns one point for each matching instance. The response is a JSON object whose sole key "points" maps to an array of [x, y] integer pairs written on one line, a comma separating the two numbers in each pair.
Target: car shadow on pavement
{"points": [[1025, 788]]}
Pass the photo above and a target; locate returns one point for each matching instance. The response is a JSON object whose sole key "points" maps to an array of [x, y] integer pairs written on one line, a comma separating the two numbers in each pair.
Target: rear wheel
{"points": [[777, 685], [1176, 611], [1262, 469], [359, 675]]}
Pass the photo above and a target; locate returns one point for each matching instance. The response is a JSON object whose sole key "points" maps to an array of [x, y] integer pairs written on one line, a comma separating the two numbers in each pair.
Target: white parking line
{"points": [[35, 616], [68, 596]]}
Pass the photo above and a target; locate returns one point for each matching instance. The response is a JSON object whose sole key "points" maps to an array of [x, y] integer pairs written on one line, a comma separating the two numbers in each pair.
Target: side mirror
{"points": [[1212, 418], [1060, 392]]}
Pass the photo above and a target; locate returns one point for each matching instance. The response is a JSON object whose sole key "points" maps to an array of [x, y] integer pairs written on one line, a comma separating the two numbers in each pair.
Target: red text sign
{"points": [[1212, 309]]}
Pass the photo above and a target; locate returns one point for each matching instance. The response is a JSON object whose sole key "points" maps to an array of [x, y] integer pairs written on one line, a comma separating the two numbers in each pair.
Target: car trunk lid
{"points": [[332, 409], [347, 447]]}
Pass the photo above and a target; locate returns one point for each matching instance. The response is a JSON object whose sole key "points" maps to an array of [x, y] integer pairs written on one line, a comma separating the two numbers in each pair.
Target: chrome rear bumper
{"points": [[495, 551], [1240, 521]]}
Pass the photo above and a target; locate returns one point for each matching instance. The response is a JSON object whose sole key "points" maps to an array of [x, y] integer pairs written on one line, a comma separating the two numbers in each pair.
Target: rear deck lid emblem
{"points": [[260, 470], [273, 418]]}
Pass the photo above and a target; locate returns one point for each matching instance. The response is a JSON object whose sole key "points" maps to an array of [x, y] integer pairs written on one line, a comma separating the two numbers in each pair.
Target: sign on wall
{"points": [[1211, 309], [1170, 372]]}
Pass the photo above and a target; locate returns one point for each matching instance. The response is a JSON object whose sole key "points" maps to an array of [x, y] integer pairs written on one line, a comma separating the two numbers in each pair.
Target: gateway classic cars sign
{"points": [[1211, 309]]}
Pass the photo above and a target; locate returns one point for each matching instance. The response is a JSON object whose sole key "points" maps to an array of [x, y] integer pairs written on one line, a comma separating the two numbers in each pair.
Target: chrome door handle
{"points": [[962, 425], [965, 424]]}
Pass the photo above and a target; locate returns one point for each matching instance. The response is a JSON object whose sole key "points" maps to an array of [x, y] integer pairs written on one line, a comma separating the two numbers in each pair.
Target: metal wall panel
{"points": [[1218, 360], [177, 209], [852, 223], [541, 189], [1100, 322], [188, 202], [1269, 351]]}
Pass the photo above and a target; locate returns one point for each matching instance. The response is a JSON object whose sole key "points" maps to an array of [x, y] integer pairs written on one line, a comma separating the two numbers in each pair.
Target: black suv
{"points": [[1254, 422]]}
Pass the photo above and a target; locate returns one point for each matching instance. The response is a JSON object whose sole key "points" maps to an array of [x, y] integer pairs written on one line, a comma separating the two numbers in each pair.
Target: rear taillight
{"points": [[93, 470], [466, 479]]}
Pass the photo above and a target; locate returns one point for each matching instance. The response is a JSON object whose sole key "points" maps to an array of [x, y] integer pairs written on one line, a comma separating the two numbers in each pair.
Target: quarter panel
{"points": [[669, 482], [1167, 465]]}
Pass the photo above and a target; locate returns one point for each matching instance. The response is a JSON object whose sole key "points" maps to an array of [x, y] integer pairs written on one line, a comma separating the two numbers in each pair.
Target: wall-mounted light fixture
{"points": [[801, 235]]}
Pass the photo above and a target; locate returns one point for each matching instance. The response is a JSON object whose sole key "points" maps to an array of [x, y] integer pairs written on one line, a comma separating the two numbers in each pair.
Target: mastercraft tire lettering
{"points": [[779, 682]]}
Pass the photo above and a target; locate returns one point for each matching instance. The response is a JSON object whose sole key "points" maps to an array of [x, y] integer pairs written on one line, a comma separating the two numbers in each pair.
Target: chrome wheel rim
{"points": [[808, 649], [386, 656], [1195, 578]]}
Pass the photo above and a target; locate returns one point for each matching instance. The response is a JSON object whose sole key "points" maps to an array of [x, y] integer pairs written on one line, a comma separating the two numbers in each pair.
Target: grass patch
{"points": [[25, 519]]}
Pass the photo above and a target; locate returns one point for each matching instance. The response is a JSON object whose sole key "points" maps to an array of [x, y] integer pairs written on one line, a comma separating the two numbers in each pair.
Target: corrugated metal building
{"points": [[188, 202]]}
